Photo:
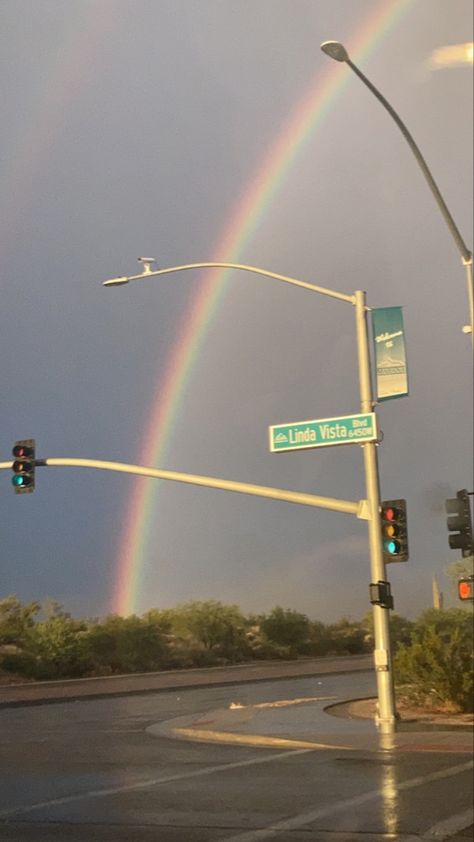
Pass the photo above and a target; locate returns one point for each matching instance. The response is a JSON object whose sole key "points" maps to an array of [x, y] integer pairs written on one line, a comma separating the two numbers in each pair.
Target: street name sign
{"points": [[324, 432]]}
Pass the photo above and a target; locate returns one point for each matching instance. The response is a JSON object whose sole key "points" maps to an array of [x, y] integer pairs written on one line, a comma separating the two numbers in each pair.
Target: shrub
{"points": [[16, 619], [287, 628], [436, 668], [124, 644], [18, 664], [187, 654], [320, 638], [347, 638], [217, 627], [54, 649]]}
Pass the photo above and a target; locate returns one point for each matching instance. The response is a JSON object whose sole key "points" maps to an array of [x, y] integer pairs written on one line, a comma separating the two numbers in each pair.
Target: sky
{"points": [[144, 127]]}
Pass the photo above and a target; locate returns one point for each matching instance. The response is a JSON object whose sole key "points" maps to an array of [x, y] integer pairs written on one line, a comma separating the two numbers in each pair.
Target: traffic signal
{"points": [[23, 479], [466, 588], [459, 523], [393, 517]]}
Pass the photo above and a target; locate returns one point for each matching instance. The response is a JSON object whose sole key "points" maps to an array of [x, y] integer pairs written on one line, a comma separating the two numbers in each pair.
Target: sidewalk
{"points": [[309, 724]]}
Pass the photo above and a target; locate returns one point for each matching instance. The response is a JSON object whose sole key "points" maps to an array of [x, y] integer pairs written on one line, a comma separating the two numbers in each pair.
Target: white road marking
{"points": [[150, 782], [448, 827], [443, 830], [321, 812]]}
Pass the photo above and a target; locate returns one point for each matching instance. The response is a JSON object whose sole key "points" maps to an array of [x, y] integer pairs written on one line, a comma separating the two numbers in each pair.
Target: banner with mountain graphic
{"points": [[390, 353]]}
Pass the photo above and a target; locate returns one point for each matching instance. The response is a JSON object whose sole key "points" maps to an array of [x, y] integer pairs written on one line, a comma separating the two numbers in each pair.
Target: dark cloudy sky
{"points": [[132, 127]]}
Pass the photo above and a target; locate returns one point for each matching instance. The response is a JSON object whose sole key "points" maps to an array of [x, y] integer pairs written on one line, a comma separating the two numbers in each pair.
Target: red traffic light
{"points": [[23, 479], [22, 450], [466, 588], [393, 521]]}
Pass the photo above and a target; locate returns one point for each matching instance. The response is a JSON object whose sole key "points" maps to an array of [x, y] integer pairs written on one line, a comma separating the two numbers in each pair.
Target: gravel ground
{"points": [[365, 709]]}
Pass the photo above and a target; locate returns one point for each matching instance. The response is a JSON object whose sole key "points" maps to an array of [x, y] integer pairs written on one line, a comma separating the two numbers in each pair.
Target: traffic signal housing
{"points": [[393, 518], [459, 523], [466, 588], [23, 467]]}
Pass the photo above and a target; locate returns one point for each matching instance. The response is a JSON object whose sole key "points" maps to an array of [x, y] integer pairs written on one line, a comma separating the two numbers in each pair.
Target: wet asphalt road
{"points": [[89, 770]]}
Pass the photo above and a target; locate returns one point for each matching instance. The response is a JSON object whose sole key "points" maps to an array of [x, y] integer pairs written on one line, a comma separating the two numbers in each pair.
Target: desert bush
{"points": [[320, 638], [16, 619], [347, 637], [287, 628], [436, 667], [20, 664], [53, 649], [124, 644], [217, 627]]}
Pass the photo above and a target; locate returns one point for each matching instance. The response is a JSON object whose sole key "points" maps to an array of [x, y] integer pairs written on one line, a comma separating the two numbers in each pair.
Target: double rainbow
{"points": [[255, 201]]}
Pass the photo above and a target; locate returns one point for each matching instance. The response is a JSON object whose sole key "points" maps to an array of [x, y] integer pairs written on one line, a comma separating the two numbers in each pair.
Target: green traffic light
{"points": [[23, 466], [394, 530], [392, 547]]}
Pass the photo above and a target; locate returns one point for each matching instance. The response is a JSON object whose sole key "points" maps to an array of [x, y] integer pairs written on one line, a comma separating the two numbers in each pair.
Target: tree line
{"points": [[433, 655]]}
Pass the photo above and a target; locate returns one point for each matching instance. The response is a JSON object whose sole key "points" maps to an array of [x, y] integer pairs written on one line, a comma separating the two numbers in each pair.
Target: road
{"points": [[90, 770]]}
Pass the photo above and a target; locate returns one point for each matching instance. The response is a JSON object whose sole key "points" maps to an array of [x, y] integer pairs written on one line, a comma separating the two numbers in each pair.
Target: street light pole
{"points": [[386, 714], [337, 51], [386, 718]]}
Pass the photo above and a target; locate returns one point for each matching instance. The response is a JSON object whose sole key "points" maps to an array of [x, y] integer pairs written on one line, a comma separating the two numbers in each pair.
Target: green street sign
{"points": [[350, 429]]}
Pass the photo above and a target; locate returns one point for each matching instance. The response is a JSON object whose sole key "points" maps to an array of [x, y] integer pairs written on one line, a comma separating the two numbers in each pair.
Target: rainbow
{"points": [[68, 73], [254, 202]]}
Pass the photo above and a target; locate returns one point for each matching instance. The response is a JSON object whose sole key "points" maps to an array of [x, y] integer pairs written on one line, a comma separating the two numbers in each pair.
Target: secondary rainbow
{"points": [[254, 202], [66, 75]]}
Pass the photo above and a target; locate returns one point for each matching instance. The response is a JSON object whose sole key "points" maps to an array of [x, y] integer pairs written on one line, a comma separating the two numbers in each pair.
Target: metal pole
{"points": [[350, 507], [213, 264], [386, 718], [338, 52], [470, 296], [369, 509], [466, 255]]}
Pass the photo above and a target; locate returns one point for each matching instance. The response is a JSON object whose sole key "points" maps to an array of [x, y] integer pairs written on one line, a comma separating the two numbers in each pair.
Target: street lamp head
{"points": [[335, 50], [115, 282]]}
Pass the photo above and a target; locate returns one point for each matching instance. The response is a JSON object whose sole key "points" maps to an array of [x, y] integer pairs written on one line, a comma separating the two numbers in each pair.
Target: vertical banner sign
{"points": [[390, 353]]}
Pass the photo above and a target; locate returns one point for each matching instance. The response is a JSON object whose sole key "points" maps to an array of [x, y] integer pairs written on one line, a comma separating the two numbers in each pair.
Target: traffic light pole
{"points": [[386, 719], [362, 509], [382, 653], [368, 509], [349, 507]]}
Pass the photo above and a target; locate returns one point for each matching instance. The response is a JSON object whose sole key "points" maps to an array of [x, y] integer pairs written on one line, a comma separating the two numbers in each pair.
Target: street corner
{"points": [[416, 730], [440, 742], [264, 725], [203, 726]]}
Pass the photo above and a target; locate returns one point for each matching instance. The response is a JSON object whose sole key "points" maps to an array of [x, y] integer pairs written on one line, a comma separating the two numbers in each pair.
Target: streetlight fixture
{"points": [[386, 717], [337, 51]]}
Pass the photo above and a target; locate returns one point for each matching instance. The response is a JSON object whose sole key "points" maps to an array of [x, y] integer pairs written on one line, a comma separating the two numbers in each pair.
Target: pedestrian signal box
{"points": [[466, 588]]}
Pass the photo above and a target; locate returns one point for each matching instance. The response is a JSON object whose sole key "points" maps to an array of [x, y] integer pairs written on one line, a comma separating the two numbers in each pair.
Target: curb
{"points": [[102, 687]]}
